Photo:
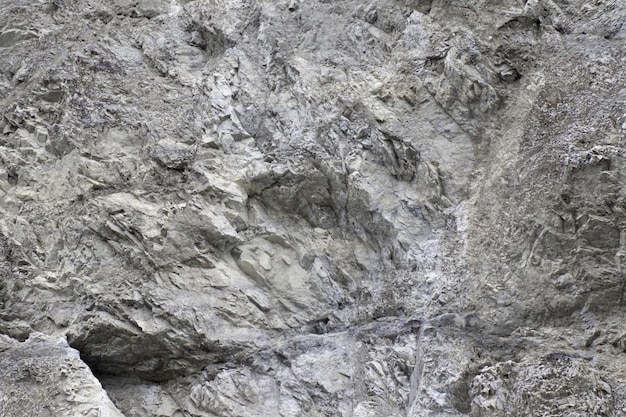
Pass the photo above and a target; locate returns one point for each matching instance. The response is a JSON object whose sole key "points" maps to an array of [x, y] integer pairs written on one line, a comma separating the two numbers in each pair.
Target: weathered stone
{"points": [[44, 376], [308, 208]]}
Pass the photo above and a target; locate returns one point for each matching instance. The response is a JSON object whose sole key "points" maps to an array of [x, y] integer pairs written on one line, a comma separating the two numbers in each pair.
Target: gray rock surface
{"points": [[43, 376], [312, 208]]}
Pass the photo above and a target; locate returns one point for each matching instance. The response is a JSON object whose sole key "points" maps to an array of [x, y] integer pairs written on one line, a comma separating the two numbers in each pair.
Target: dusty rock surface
{"points": [[45, 377], [312, 208]]}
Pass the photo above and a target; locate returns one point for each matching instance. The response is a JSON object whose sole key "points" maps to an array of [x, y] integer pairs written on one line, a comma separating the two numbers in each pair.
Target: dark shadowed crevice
{"points": [[144, 358], [459, 394]]}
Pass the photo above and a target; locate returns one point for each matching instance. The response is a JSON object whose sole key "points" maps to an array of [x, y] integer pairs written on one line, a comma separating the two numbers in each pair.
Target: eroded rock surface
{"points": [[313, 208], [43, 376]]}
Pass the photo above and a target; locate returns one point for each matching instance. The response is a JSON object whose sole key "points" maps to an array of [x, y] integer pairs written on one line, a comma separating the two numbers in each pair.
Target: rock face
{"points": [[312, 208], [44, 377]]}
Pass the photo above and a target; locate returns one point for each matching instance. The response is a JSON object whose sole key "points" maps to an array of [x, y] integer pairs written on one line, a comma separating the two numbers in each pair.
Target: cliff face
{"points": [[312, 208]]}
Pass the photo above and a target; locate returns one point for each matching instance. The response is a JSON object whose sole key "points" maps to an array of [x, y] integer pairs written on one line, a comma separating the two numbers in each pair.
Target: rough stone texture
{"points": [[312, 208], [43, 376]]}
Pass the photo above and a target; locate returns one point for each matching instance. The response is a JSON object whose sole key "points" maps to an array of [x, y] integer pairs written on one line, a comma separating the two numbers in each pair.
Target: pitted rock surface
{"points": [[312, 208]]}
